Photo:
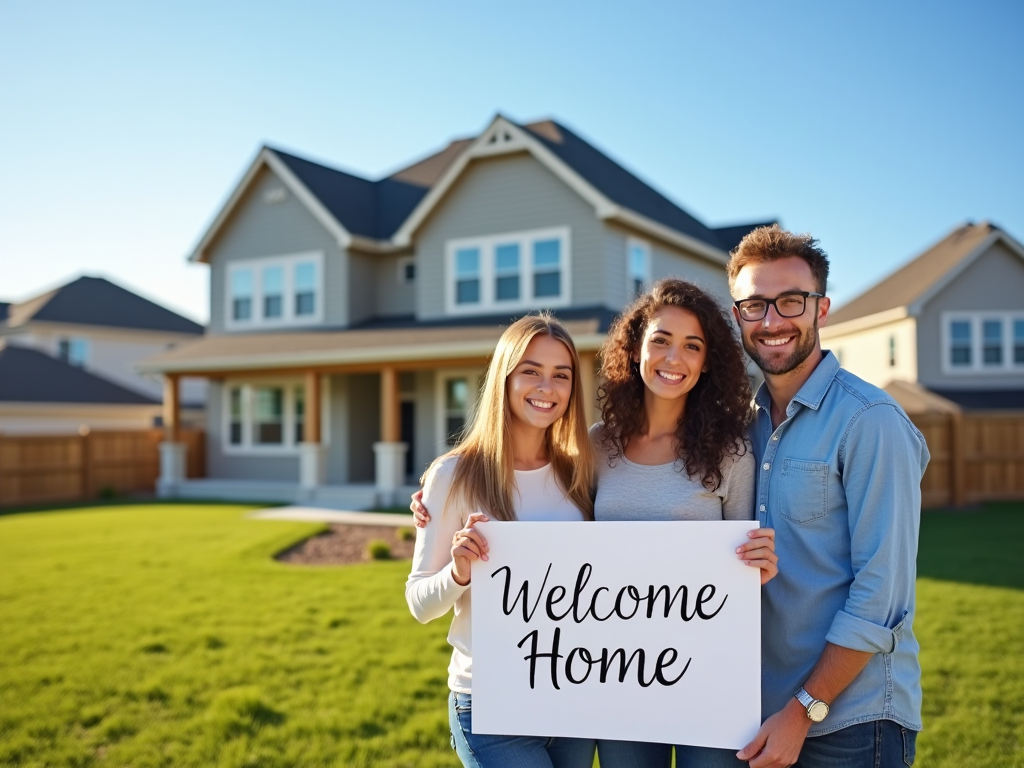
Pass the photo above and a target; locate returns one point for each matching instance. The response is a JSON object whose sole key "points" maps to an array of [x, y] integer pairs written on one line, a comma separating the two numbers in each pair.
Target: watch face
{"points": [[817, 711]]}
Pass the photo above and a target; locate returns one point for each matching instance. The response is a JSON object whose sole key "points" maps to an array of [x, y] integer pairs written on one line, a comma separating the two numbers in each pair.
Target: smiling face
{"points": [[539, 387], [672, 353], [781, 345]]}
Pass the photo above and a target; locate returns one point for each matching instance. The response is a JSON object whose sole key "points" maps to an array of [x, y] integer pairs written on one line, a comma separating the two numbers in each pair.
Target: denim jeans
{"points": [[488, 751], [643, 754], [876, 744]]}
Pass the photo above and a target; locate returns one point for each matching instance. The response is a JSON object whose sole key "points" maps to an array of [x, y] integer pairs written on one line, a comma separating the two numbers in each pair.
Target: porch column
{"points": [[172, 452], [390, 451], [589, 386], [311, 452]]}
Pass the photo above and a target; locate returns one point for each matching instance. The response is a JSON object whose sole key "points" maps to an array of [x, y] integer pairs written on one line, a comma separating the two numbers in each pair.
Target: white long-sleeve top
{"points": [[431, 591]]}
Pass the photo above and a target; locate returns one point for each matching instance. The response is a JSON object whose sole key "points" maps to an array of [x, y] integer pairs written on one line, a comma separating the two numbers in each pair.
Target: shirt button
{"points": [[762, 507], [767, 466], [775, 437]]}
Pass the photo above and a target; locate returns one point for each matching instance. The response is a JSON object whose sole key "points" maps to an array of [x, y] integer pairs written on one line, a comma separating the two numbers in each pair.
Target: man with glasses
{"points": [[839, 478]]}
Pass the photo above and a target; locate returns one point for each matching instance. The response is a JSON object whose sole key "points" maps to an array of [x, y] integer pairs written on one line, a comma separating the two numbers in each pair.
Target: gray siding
{"points": [[364, 425], [258, 228], [337, 468], [425, 431], [362, 278], [394, 296], [510, 194], [993, 283], [666, 261], [244, 467]]}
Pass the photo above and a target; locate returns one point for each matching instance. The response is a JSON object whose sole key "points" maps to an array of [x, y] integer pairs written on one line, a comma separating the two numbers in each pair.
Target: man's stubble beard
{"points": [[804, 347]]}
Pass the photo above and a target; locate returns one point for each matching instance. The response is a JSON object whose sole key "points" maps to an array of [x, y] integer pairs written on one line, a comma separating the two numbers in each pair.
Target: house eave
{"points": [[867, 322]]}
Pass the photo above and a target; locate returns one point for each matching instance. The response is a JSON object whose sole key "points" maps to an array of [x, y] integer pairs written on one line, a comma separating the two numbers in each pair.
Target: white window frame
{"points": [[404, 262], [525, 241], [645, 278], [248, 446], [288, 318], [976, 321], [441, 379]]}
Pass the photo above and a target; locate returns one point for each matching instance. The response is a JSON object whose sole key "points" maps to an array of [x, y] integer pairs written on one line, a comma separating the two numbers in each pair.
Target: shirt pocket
{"points": [[803, 492]]}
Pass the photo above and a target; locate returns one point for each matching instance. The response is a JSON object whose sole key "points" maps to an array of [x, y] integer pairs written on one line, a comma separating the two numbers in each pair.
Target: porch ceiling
{"points": [[343, 350]]}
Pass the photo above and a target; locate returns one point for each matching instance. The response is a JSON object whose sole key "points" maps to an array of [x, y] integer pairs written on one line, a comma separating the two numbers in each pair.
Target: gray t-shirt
{"points": [[630, 491]]}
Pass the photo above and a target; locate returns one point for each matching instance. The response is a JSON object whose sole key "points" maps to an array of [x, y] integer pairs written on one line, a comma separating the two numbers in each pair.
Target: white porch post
{"points": [[312, 464], [172, 453], [389, 453]]}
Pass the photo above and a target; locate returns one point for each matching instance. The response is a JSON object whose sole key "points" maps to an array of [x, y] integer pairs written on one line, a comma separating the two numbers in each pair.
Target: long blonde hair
{"points": [[483, 477]]}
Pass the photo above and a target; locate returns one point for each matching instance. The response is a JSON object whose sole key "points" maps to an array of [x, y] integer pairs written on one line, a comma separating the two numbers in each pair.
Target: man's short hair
{"points": [[771, 243]]}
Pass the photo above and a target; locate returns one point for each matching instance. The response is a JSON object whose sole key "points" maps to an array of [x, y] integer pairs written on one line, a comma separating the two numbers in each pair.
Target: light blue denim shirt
{"points": [[840, 481]]}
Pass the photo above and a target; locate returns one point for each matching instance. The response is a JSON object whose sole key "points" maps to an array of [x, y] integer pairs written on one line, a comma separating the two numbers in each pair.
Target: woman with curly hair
{"points": [[675, 402]]}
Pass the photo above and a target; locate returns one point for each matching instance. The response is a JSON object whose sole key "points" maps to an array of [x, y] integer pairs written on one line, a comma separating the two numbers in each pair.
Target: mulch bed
{"points": [[345, 545]]}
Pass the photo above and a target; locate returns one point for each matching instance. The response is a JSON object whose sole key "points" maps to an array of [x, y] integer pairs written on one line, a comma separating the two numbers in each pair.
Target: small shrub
{"points": [[406, 534], [108, 492], [379, 550]]}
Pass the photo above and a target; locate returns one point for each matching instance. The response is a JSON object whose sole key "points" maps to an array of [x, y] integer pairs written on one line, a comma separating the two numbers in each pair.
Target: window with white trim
{"points": [[638, 264], [407, 269], [275, 291], [520, 270], [983, 342], [266, 417]]}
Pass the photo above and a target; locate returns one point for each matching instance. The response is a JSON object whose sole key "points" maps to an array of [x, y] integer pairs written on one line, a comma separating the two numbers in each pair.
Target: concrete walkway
{"points": [[317, 515]]}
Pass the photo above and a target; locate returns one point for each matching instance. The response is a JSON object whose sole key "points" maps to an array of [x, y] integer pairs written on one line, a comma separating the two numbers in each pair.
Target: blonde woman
{"points": [[527, 456]]}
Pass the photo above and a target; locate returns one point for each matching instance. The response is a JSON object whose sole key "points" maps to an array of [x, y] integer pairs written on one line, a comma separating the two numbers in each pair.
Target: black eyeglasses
{"points": [[790, 304]]}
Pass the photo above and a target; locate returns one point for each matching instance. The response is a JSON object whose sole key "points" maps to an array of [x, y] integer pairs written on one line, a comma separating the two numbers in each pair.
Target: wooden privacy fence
{"points": [[40, 469], [976, 456]]}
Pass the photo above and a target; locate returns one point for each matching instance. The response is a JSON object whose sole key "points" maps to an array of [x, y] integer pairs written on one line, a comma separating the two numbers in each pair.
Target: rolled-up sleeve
{"points": [[430, 589], [883, 458]]}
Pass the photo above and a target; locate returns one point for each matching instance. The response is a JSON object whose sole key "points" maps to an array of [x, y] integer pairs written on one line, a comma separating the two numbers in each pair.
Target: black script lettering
{"points": [[524, 592], [552, 600], [584, 655], [660, 665], [534, 655], [593, 602], [634, 595], [581, 582], [701, 599]]}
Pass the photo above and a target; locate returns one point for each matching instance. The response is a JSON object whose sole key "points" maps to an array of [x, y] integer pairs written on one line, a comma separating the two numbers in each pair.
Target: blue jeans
{"points": [[488, 751], [876, 744], [644, 754]]}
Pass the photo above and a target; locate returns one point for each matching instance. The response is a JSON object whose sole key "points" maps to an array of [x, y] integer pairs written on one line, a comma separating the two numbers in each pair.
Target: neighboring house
{"points": [[951, 321], [68, 359], [351, 320]]}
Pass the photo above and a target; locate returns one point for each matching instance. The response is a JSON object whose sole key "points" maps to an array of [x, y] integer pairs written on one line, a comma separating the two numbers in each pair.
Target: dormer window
{"points": [[521, 270], [275, 291], [73, 351]]}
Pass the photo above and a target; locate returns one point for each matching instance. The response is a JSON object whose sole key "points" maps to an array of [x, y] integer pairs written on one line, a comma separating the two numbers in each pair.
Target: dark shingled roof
{"points": [[4, 306], [730, 236], [97, 301], [373, 209], [31, 376], [911, 281], [377, 209]]}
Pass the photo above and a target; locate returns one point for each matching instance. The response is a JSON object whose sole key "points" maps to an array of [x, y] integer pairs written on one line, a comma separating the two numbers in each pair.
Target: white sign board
{"points": [[647, 631]]}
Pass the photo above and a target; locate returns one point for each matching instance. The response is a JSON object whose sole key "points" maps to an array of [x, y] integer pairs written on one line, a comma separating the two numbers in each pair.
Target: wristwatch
{"points": [[816, 710]]}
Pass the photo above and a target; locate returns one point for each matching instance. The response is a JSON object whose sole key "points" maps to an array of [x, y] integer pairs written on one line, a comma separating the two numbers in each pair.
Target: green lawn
{"points": [[166, 635]]}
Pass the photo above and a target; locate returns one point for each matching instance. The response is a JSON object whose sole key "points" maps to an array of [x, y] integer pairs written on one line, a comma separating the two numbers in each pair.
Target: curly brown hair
{"points": [[717, 408]]}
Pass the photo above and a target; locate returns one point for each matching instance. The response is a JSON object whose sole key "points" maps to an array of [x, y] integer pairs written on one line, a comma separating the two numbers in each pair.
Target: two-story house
{"points": [[67, 359], [351, 320], [950, 321]]}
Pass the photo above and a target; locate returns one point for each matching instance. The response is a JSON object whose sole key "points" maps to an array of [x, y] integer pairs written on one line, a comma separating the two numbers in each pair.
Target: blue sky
{"points": [[877, 126]]}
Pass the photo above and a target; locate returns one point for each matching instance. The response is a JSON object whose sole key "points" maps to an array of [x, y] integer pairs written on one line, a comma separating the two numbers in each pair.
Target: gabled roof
{"points": [[385, 213], [31, 376], [918, 280], [97, 301]]}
